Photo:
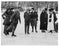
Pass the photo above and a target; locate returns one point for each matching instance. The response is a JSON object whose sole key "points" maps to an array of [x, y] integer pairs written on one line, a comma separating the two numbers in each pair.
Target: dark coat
{"points": [[33, 18], [14, 20], [43, 20], [34, 15], [16, 17], [7, 15], [27, 18], [55, 18]]}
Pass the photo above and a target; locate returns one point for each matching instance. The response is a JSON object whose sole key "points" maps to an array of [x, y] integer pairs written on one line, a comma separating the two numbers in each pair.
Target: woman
{"points": [[51, 20]]}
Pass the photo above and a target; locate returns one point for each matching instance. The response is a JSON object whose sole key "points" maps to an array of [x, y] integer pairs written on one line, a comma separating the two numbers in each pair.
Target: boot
{"points": [[51, 31], [36, 31], [13, 35], [43, 31]]}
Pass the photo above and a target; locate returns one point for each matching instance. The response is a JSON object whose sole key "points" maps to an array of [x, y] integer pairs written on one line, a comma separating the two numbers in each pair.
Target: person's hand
{"points": [[20, 22], [4, 17], [56, 22]]}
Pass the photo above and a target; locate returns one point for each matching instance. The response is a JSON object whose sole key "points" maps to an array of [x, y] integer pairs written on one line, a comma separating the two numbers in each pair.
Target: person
{"points": [[27, 21], [6, 16], [33, 19], [43, 20], [52, 19], [14, 21], [55, 22], [56, 27]]}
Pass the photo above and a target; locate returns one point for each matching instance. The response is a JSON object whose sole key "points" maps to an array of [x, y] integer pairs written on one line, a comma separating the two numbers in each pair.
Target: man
{"points": [[14, 21], [6, 16], [44, 20], [27, 21], [34, 18]]}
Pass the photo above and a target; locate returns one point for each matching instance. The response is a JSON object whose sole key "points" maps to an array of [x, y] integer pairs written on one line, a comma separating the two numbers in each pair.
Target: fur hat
{"points": [[51, 9]]}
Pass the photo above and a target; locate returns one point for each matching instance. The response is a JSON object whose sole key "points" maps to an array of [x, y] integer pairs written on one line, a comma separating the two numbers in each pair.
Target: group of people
{"points": [[12, 16], [31, 17], [48, 16]]}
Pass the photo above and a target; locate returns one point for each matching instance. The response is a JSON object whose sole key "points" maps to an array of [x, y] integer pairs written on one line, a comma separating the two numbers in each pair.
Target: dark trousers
{"points": [[35, 28], [34, 25], [26, 27], [56, 27], [13, 28], [7, 31]]}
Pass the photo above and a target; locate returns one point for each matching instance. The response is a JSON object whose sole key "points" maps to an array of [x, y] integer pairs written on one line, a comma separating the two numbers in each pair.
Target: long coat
{"points": [[15, 17], [43, 20], [14, 20], [52, 20], [27, 18], [6, 16], [34, 18]]}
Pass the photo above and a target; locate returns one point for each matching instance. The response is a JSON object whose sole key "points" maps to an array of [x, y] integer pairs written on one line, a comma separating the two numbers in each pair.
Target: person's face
{"points": [[50, 12], [9, 10], [46, 10], [14, 10], [28, 11], [32, 10]]}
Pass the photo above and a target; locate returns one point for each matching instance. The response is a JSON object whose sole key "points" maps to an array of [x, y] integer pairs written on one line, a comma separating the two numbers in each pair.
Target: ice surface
{"points": [[31, 39]]}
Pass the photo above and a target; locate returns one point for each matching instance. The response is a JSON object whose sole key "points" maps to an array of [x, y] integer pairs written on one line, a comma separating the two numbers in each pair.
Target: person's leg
{"points": [[28, 29], [56, 27], [32, 28], [32, 25], [36, 26], [25, 28], [5, 30], [43, 30], [9, 30], [13, 30], [50, 31]]}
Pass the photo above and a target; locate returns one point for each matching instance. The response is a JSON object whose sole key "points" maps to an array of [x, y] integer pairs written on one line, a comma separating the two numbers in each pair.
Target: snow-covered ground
{"points": [[28, 39]]}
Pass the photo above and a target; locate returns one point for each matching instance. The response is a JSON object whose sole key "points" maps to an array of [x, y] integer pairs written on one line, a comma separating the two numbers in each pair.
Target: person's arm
{"points": [[37, 16], [41, 16], [47, 17], [55, 18], [4, 15], [24, 14], [19, 17], [11, 18]]}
